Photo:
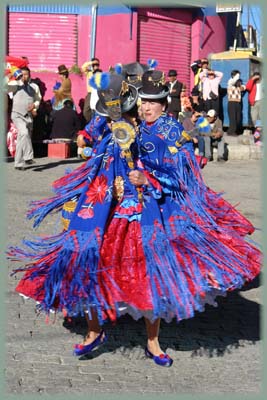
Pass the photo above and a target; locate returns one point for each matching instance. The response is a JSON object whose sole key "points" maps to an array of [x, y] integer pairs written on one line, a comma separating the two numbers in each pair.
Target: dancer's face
{"points": [[151, 109]]}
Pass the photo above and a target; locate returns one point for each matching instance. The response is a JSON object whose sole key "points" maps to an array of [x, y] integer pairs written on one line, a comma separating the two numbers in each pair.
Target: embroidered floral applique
{"points": [[96, 192]]}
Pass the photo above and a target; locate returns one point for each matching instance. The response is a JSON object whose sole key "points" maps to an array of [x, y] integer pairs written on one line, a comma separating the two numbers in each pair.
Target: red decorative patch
{"points": [[97, 190], [86, 213]]}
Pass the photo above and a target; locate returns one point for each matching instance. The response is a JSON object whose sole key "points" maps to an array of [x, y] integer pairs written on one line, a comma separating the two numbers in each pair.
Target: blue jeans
{"points": [[201, 145]]}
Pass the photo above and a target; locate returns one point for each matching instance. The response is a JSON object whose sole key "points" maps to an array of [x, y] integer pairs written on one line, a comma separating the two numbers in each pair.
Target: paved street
{"points": [[218, 351]]}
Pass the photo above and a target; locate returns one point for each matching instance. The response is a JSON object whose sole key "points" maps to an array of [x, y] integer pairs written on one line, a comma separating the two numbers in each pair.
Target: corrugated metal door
{"points": [[48, 40], [168, 42]]}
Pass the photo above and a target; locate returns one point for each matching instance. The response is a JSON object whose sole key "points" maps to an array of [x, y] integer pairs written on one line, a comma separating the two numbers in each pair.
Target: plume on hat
{"points": [[203, 125], [100, 80], [118, 68], [152, 63], [56, 85]]}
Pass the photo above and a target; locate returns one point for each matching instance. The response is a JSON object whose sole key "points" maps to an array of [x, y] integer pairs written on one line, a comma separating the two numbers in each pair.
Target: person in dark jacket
{"points": [[175, 88], [65, 122]]}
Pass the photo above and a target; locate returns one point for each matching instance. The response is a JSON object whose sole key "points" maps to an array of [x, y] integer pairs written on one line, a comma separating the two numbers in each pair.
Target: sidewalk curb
{"points": [[244, 152]]}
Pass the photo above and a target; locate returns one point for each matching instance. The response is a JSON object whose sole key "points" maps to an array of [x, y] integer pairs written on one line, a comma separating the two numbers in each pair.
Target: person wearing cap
{"points": [[62, 90], [141, 238], [216, 138], [25, 103], [174, 97], [210, 89], [234, 106]]}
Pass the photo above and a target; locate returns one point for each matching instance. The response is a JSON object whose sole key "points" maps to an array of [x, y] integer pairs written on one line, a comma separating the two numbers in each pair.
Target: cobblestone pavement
{"points": [[218, 351]]}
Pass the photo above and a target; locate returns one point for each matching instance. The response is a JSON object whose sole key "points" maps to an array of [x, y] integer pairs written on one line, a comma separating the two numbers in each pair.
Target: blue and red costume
{"points": [[165, 256]]}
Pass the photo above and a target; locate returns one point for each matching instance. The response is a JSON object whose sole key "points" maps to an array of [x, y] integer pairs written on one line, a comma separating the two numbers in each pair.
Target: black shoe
{"points": [[29, 162], [20, 168]]}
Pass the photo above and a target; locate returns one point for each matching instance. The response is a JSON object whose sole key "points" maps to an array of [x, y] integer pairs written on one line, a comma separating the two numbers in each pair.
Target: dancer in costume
{"points": [[142, 239]]}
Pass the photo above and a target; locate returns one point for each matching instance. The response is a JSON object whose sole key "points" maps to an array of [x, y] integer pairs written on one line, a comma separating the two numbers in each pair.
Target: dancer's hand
{"points": [[137, 178]]}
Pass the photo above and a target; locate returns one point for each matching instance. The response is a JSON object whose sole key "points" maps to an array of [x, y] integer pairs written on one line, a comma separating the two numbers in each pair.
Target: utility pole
{"points": [[93, 30]]}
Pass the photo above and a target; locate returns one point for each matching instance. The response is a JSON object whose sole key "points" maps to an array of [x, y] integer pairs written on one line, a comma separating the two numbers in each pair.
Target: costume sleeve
{"points": [[95, 129], [172, 175]]}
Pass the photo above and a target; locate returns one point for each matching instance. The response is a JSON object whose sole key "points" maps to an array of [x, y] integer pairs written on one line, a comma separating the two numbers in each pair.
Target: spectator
{"points": [[197, 95], [26, 101], [62, 90], [80, 114], [47, 117], [211, 81], [216, 138], [175, 88], [191, 127], [255, 97], [65, 122], [234, 92], [89, 68], [42, 124], [186, 107]]}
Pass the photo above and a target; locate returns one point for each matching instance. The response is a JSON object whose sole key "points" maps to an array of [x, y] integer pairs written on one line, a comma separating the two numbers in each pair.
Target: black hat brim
{"points": [[155, 96]]}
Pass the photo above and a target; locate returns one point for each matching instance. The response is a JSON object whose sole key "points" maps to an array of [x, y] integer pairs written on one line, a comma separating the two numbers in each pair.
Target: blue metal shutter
{"points": [[48, 40], [168, 42]]}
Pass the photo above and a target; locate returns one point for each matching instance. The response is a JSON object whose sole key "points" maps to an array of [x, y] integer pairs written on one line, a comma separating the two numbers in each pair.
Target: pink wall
{"points": [[113, 39], [213, 40], [116, 44], [113, 45], [84, 38]]}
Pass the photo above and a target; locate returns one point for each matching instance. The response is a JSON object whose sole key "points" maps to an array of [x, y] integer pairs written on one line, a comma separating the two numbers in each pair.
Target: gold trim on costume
{"points": [[118, 188], [112, 103]]}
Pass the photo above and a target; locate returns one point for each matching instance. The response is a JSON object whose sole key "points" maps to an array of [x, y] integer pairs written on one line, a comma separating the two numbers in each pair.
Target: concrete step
{"points": [[242, 147]]}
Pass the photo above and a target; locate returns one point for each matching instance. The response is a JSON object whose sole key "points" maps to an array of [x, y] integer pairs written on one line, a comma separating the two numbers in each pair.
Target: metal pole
{"points": [[93, 30]]}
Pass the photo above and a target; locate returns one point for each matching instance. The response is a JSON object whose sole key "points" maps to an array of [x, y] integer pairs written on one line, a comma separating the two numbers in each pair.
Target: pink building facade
{"points": [[175, 37]]}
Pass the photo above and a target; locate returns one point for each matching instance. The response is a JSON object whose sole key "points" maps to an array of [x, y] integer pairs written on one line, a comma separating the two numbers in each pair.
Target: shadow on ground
{"points": [[213, 332]]}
